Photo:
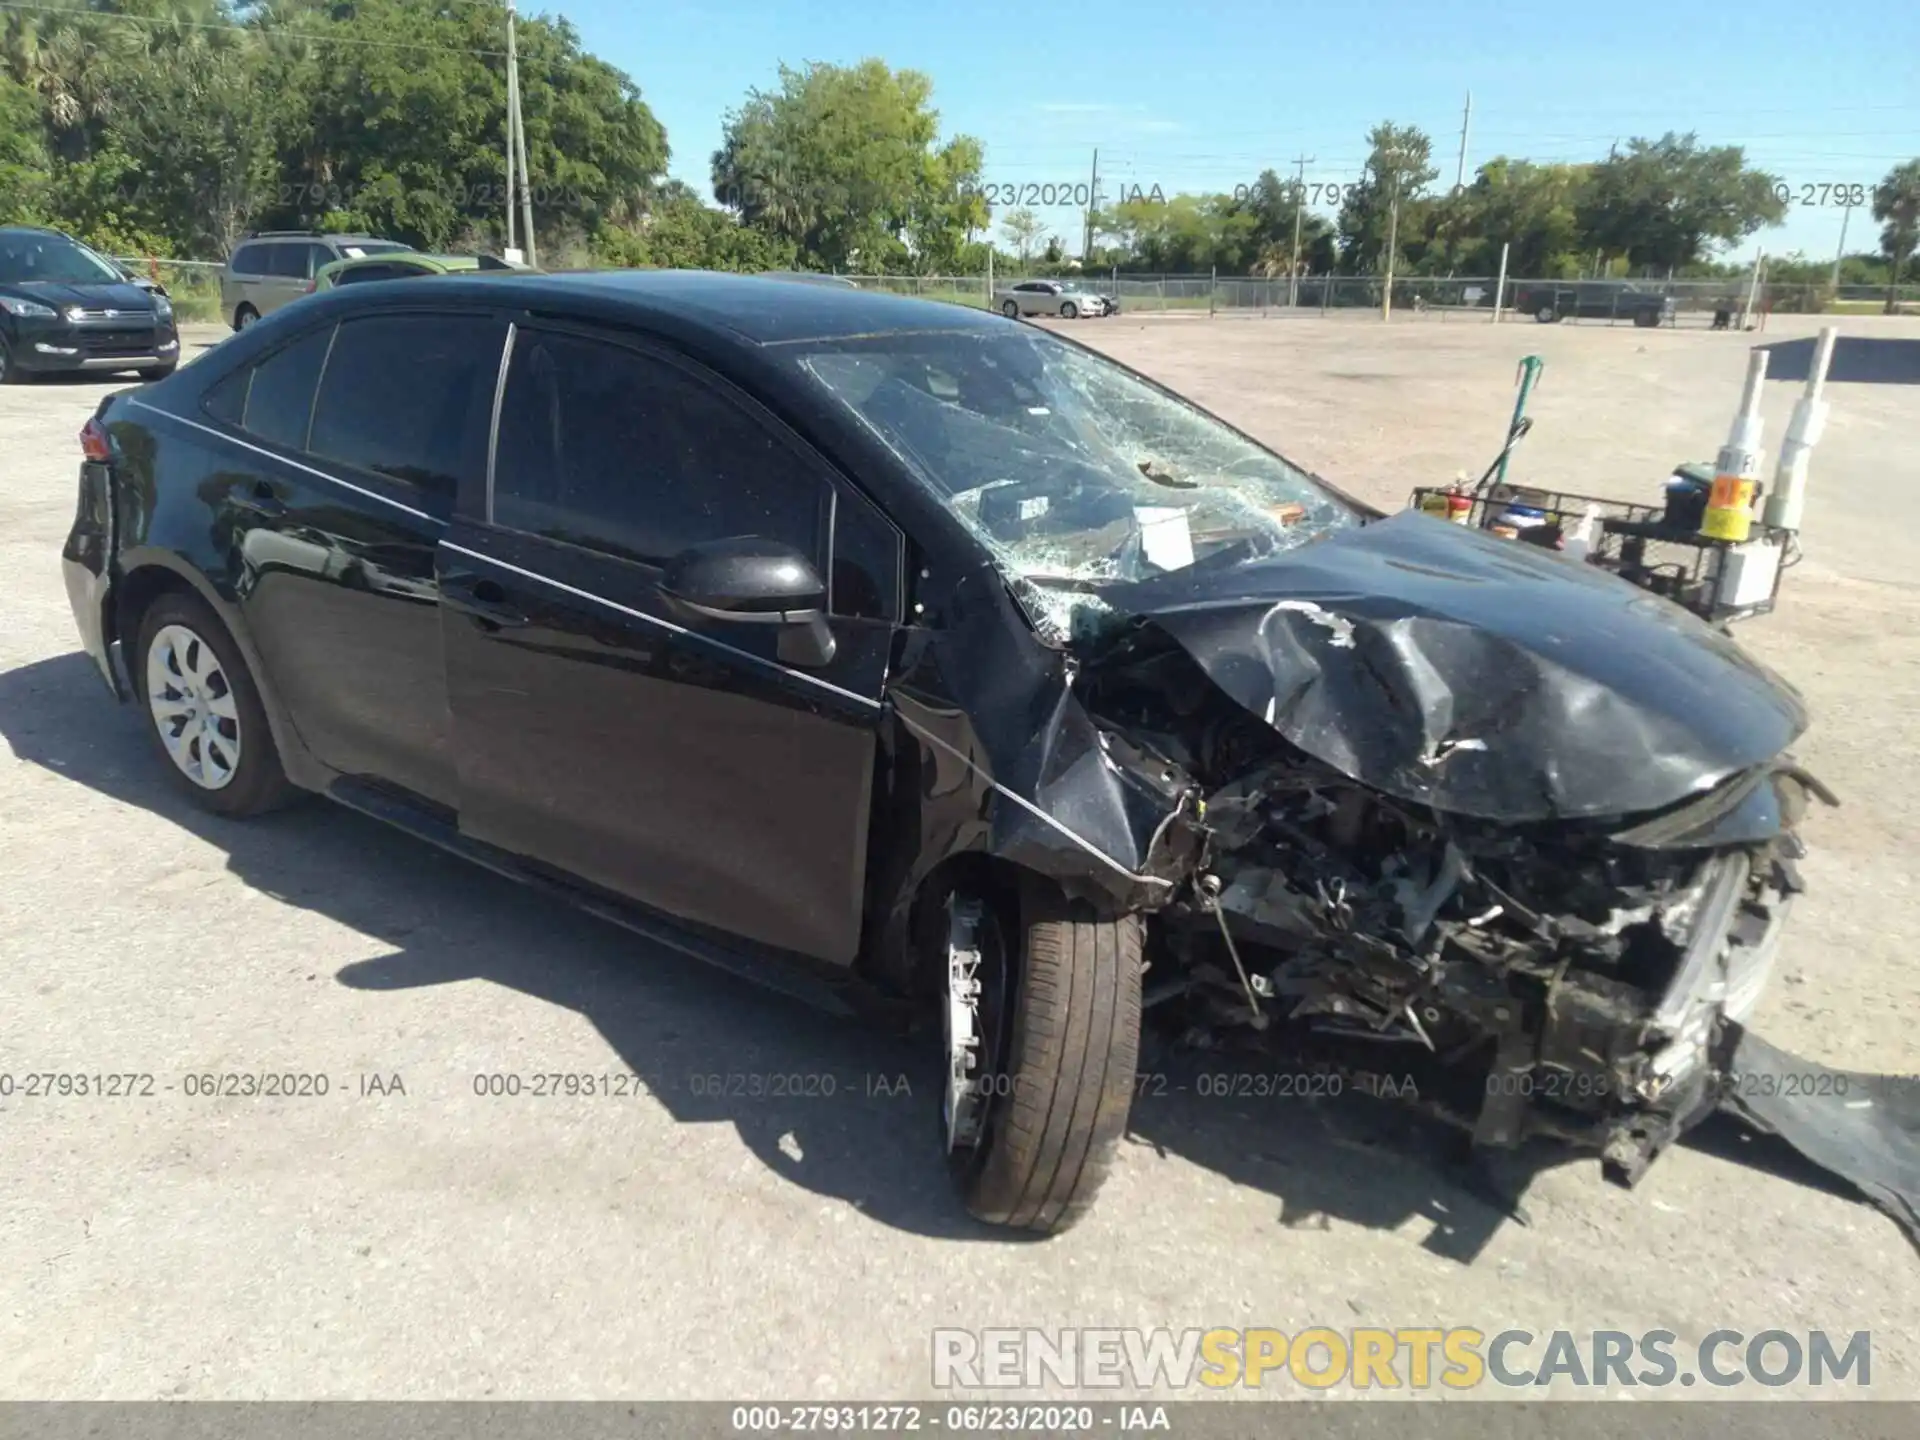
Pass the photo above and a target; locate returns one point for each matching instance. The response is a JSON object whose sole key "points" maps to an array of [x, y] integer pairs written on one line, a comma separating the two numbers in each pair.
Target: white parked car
{"points": [[1052, 297]]}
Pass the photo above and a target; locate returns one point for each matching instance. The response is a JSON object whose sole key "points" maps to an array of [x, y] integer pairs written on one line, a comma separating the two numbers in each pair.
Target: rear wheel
{"points": [[1546, 314], [1043, 1034], [1011, 310], [10, 373], [1646, 319], [204, 711]]}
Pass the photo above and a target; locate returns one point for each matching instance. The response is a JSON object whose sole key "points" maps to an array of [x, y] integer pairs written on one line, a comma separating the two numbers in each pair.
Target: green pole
{"points": [[1528, 374]]}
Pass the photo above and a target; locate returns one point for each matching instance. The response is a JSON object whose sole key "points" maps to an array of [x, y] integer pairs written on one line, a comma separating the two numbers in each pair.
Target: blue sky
{"points": [[1203, 96]]}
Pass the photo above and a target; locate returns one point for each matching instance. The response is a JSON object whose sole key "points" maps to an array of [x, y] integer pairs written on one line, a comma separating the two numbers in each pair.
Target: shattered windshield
{"points": [[1075, 473]]}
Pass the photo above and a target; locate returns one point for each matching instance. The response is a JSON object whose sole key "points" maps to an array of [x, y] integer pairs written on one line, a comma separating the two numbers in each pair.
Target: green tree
{"points": [[1023, 230], [207, 170], [1273, 204], [841, 162], [681, 233], [1398, 170], [23, 153], [1532, 209], [404, 133], [1665, 203], [1896, 205]]}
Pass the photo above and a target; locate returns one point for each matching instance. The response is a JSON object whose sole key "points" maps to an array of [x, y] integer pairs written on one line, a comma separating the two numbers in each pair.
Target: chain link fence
{"points": [[1679, 303], [194, 286]]}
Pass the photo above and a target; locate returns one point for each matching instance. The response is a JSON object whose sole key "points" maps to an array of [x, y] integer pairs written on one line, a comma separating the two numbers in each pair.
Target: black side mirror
{"points": [[750, 581]]}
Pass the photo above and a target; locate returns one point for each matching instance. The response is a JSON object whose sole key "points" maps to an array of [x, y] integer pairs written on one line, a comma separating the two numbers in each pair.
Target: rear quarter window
{"points": [[280, 397]]}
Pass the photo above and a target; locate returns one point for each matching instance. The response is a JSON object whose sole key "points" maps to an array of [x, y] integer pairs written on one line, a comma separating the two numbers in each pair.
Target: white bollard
{"points": [[1788, 498]]}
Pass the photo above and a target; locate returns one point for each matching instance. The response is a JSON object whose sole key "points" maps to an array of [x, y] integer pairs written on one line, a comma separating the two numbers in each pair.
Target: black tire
{"points": [[1546, 315], [1011, 310], [10, 373], [1069, 311], [243, 316], [1645, 319], [1072, 1046], [258, 783], [157, 372]]}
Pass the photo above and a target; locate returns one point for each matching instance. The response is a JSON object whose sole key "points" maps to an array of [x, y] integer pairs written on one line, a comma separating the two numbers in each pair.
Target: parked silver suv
{"points": [[272, 267]]}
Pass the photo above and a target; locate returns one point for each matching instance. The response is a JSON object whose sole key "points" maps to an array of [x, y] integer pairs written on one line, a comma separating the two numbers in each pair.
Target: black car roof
{"points": [[747, 305]]}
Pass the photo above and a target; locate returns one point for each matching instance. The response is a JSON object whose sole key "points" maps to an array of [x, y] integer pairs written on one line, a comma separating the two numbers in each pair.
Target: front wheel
{"points": [[245, 316], [10, 373], [1043, 1035], [204, 710], [1646, 319], [1069, 311], [156, 372]]}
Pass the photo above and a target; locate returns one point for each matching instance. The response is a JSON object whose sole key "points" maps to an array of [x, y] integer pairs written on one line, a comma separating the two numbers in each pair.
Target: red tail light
{"points": [[95, 443], [312, 285]]}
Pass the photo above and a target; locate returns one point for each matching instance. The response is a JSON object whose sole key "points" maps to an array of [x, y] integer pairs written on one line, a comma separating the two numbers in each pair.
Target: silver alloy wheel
{"points": [[193, 707], [248, 316]]}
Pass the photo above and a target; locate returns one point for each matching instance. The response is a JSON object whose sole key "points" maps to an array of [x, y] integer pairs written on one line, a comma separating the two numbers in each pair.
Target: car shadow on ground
{"points": [[841, 1109]]}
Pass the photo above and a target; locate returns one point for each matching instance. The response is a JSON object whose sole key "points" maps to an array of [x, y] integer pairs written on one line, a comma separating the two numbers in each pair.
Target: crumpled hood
{"points": [[1480, 676]]}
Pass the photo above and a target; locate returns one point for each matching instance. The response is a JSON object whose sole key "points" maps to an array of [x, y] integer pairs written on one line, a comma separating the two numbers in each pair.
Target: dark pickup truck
{"points": [[1593, 300]]}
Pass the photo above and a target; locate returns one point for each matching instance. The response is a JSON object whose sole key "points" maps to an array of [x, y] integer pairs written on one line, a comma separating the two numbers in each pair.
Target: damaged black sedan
{"points": [[915, 658]]}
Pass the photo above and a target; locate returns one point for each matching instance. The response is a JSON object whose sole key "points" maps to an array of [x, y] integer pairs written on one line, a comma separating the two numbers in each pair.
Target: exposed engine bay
{"points": [[1544, 979]]}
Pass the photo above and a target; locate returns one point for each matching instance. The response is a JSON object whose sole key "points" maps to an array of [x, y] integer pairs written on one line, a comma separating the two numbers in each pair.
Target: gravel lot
{"points": [[437, 1243]]}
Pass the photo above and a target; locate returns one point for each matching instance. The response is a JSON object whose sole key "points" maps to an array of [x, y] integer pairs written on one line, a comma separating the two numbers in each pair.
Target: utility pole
{"points": [[1093, 201], [517, 125], [512, 192], [1466, 120], [1841, 253], [1393, 239], [1300, 163]]}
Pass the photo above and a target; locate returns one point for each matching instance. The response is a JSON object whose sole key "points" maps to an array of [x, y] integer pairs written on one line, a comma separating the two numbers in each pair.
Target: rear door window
{"points": [[280, 399], [409, 397], [245, 261]]}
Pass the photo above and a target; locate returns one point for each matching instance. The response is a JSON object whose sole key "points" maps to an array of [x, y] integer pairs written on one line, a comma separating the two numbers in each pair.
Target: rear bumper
{"points": [[86, 566]]}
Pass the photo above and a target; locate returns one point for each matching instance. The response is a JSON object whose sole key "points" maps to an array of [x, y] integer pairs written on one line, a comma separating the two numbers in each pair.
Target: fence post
{"points": [[1500, 285], [1326, 292], [1213, 284]]}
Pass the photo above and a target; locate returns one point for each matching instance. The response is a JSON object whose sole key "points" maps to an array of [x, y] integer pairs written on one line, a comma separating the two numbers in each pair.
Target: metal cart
{"points": [[1718, 580]]}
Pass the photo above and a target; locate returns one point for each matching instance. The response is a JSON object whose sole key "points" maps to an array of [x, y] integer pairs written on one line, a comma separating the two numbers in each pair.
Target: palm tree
{"points": [[1896, 205]]}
